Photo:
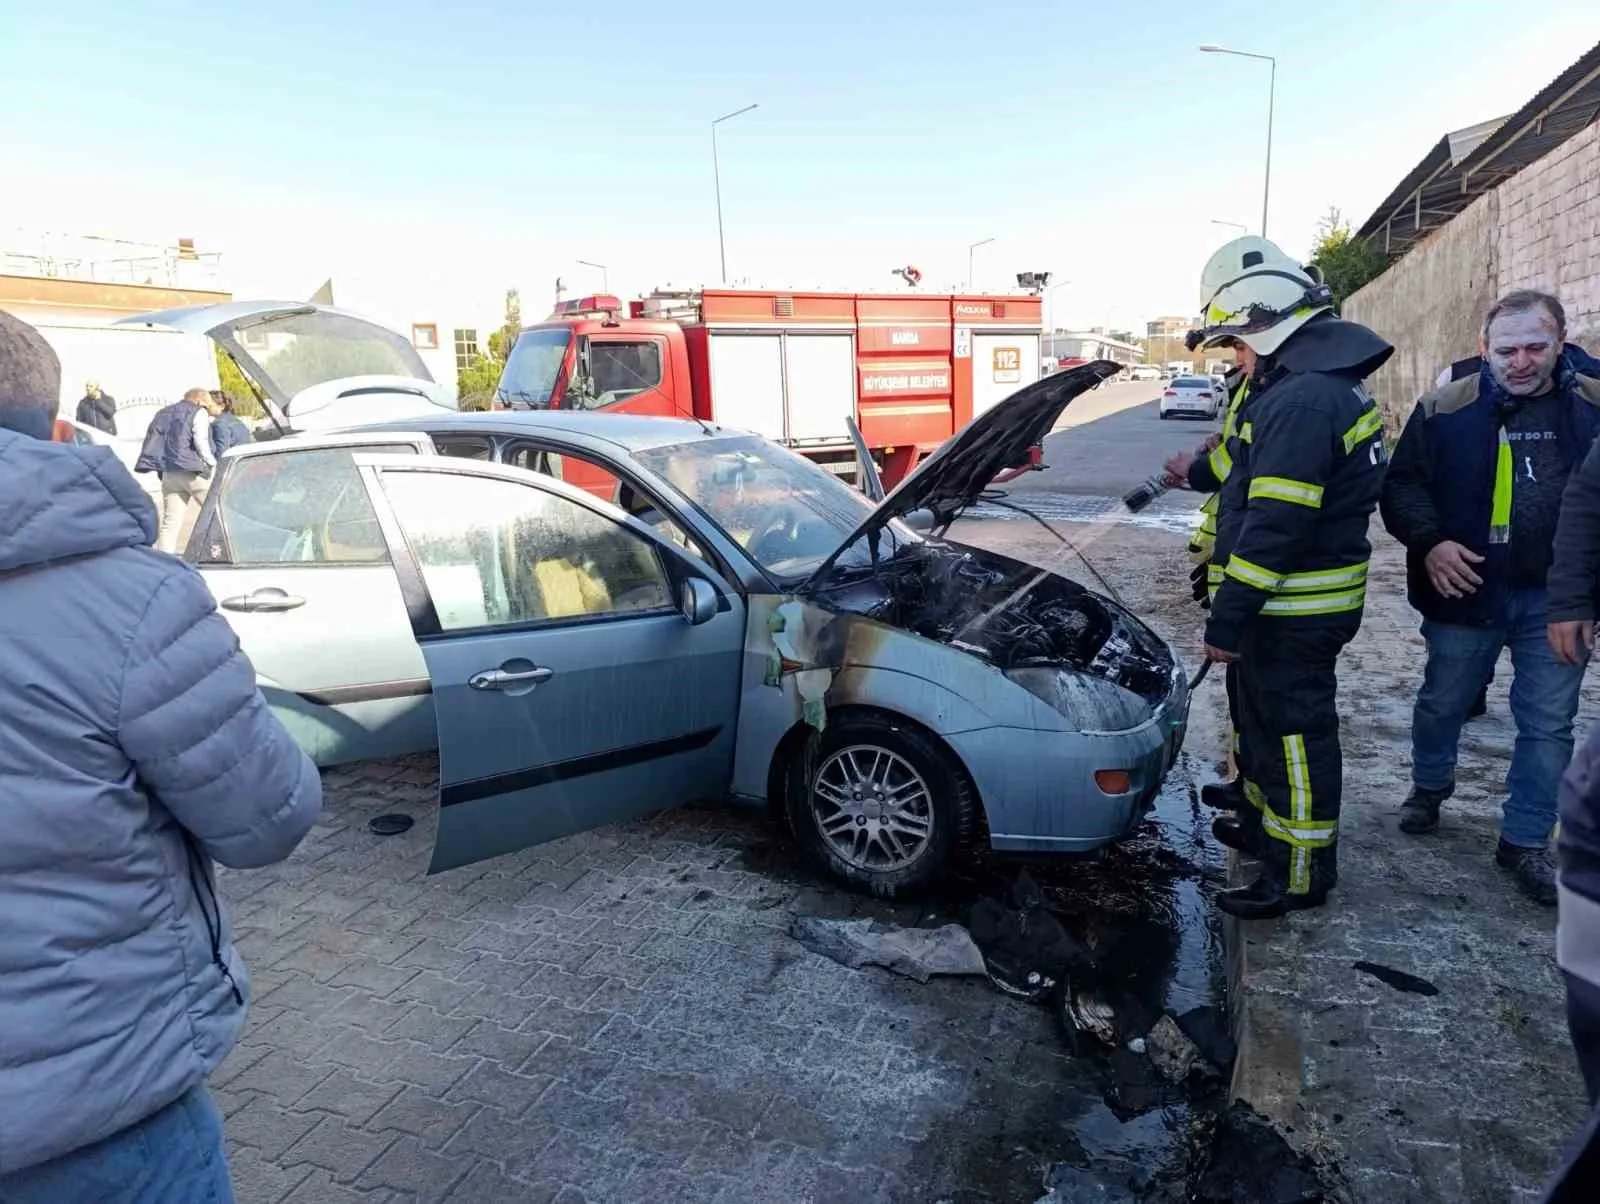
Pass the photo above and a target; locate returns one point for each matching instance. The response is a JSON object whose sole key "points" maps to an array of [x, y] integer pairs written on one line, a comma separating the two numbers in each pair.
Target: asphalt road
{"points": [[1109, 440]]}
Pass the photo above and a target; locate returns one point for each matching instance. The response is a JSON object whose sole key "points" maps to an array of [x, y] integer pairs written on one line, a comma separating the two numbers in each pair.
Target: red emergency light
{"points": [[598, 305]]}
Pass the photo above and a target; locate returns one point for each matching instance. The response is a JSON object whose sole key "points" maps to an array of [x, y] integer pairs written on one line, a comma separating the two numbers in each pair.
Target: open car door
{"points": [[584, 671]]}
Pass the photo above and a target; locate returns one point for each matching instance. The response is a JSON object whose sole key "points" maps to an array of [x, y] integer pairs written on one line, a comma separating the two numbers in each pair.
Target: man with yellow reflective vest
{"points": [[1290, 559], [1475, 493]]}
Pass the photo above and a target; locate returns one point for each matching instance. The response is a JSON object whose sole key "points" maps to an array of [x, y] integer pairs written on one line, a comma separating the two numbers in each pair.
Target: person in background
{"points": [[227, 428], [1474, 492], [136, 750], [178, 446], [98, 408]]}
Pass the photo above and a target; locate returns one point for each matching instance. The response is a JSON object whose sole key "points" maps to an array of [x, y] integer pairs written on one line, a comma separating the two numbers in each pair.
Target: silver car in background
{"points": [[598, 615]]}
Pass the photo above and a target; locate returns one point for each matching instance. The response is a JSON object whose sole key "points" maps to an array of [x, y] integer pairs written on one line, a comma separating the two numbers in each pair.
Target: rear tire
{"points": [[881, 805]]}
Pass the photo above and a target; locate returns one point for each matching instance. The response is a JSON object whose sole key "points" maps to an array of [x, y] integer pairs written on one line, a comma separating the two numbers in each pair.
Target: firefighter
{"points": [[1207, 473], [1290, 558]]}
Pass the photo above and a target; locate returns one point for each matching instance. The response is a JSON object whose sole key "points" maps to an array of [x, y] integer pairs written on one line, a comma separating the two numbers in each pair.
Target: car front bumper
{"points": [[1038, 787]]}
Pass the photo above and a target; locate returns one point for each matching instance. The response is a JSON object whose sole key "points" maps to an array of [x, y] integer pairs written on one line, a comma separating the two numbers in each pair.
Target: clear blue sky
{"points": [[494, 145]]}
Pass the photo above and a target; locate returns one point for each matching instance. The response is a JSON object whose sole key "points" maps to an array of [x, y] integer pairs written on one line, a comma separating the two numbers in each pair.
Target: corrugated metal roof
{"points": [[1467, 163]]}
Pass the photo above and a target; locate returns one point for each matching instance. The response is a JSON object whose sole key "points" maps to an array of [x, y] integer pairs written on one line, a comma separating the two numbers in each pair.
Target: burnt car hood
{"points": [[954, 476]]}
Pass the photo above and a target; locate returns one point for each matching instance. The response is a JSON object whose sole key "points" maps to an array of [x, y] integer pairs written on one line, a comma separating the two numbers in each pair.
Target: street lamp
{"points": [[716, 179], [1235, 225], [1272, 90], [983, 242], [605, 277], [1048, 312]]}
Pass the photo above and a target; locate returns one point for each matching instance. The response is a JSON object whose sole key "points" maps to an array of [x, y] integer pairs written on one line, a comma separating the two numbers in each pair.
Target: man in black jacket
{"points": [[1291, 558], [1474, 492], [98, 408]]}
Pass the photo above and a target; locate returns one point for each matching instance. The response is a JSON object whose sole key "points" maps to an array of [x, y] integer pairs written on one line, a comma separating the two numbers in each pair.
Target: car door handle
{"points": [[263, 600], [501, 679]]}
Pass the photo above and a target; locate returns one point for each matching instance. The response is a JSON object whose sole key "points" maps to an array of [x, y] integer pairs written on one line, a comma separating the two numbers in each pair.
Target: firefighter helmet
{"points": [[1252, 292]]}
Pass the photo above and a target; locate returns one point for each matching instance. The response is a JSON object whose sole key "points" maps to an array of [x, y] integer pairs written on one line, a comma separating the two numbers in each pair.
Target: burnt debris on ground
{"points": [[1123, 950]]}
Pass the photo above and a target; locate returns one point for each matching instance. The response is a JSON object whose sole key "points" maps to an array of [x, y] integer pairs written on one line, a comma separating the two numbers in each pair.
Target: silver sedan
{"points": [[595, 616]]}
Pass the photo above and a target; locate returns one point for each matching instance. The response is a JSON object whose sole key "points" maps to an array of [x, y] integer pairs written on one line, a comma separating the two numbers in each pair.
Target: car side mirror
{"points": [[698, 598]]}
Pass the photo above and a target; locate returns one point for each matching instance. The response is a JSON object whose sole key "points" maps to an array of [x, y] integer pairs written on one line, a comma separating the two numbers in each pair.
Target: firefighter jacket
{"points": [[1208, 472], [1453, 478], [1306, 470]]}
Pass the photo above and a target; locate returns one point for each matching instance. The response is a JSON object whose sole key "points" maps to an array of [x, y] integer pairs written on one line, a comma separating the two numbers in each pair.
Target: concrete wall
{"points": [[1540, 229]]}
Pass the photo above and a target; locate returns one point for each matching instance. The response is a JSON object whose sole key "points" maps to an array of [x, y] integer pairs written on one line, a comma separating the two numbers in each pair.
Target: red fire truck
{"points": [[911, 369]]}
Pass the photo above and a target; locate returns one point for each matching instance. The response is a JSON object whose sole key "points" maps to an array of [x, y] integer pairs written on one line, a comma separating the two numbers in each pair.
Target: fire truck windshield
{"points": [[531, 370]]}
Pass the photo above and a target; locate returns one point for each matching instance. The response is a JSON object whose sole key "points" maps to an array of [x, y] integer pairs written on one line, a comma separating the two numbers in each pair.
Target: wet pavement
{"points": [[622, 1015]]}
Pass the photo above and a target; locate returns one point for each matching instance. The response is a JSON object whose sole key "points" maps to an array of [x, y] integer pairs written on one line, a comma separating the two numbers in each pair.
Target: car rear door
{"points": [[571, 688], [290, 547]]}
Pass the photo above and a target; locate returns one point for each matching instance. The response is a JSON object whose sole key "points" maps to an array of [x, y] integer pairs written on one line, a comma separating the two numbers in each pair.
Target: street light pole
{"points": [[605, 276], [1272, 93], [716, 180], [983, 242], [1047, 310]]}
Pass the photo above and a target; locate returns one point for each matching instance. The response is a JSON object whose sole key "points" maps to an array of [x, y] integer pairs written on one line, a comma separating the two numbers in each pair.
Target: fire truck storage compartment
{"points": [[793, 386], [1002, 362]]}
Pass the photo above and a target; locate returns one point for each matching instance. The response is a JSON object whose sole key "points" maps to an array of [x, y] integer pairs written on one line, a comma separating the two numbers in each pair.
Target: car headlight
{"points": [[1088, 702]]}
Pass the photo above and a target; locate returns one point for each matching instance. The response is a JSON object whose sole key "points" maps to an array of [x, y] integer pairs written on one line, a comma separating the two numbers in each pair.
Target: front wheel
{"points": [[879, 805]]}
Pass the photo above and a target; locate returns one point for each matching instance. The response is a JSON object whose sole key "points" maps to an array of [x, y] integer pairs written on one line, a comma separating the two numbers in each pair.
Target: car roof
{"points": [[633, 432]]}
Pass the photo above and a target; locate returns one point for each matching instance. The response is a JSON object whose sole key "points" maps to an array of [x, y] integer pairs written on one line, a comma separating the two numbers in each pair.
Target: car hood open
{"points": [[958, 472], [313, 361]]}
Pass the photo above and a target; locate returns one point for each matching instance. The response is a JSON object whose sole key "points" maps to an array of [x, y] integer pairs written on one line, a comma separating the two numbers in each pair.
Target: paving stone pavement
{"points": [[617, 1016], [1466, 1096]]}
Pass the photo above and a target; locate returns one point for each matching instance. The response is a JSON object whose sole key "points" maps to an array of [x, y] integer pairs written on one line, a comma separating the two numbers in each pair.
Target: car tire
{"points": [[898, 753], [1164, 415]]}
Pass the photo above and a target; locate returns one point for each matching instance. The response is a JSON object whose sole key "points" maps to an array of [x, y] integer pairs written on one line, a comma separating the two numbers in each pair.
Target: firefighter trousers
{"points": [[1284, 695]]}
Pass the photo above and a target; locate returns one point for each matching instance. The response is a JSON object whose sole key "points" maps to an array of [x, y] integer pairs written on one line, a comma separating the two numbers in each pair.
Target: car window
{"points": [[465, 447], [593, 477], [494, 552], [1192, 382], [297, 507], [622, 369]]}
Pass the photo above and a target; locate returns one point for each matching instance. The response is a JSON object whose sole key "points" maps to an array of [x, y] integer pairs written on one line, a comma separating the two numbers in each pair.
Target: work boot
{"points": [[1535, 876], [1480, 705], [1266, 899], [1230, 830], [1419, 814], [1224, 796]]}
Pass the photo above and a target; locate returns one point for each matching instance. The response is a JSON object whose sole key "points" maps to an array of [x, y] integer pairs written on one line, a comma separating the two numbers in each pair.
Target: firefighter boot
{"points": [[1238, 834], [1268, 897], [1419, 814], [1223, 796]]}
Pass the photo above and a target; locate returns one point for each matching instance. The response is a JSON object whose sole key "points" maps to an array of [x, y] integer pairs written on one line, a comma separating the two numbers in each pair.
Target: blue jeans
{"points": [[1544, 699], [173, 1157]]}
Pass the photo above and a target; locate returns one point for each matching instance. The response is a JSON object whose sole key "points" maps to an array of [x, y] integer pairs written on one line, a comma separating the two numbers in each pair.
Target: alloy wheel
{"points": [[873, 807]]}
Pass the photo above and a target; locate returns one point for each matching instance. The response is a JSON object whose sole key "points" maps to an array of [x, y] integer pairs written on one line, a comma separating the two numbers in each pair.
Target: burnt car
{"points": [[709, 617]]}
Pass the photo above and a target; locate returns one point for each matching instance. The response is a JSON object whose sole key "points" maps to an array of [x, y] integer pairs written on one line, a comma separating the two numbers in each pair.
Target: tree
{"points": [[1346, 262], [476, 383], [236, 385]]}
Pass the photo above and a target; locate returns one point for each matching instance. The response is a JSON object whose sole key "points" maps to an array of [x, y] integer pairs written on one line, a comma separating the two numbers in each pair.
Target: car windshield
{"points": [[530, 373], [299, 350], [784, 511]]}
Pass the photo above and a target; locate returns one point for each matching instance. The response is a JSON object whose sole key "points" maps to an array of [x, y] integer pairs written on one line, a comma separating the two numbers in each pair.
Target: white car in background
{"points": [[1191, 397], [1144, 372]]}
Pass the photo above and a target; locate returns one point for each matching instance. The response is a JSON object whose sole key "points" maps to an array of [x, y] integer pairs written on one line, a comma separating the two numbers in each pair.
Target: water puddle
{"points": [[1106, 1126]]}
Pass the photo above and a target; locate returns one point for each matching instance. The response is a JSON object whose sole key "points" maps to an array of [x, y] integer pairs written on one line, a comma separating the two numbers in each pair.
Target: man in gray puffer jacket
{"points": [[135, 750]]}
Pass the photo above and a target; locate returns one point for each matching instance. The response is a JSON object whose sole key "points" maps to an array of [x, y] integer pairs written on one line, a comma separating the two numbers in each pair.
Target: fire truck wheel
{"points": [[879, 803]]}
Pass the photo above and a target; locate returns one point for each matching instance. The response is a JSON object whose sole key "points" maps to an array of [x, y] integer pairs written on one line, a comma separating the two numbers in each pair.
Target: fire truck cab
{"points": [[909, 369]]}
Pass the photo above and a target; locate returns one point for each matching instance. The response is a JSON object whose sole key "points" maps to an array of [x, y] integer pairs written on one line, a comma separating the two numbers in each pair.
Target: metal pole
{"points": [[605, 274], [1272, 92], [1266, 187], [716, 180], [982, 242]]}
